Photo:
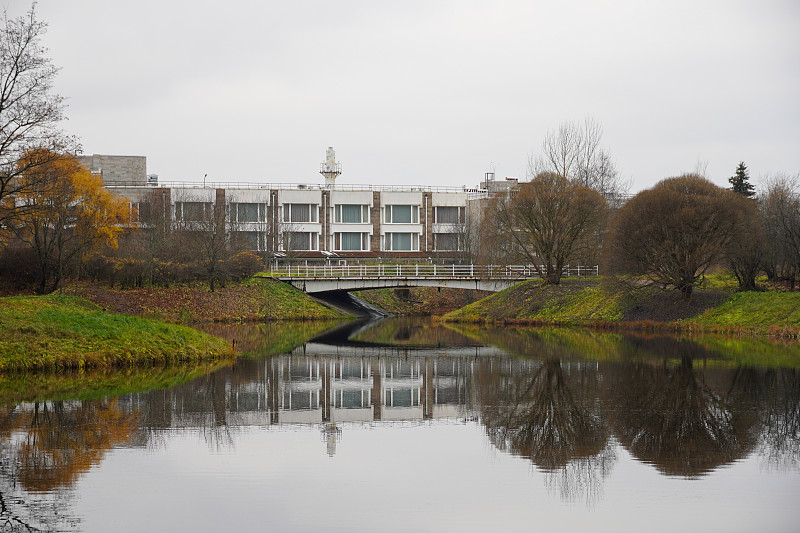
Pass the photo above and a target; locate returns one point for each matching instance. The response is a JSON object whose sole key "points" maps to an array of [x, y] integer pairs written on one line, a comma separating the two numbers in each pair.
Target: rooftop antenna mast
{"points": [[330, 168], [489, 176]]}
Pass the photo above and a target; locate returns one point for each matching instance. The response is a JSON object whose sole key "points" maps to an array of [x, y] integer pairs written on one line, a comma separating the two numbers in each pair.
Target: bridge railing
{"points": [[425, 270]]}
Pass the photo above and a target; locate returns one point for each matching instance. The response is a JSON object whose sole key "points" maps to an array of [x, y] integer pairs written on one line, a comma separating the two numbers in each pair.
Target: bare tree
{"points": [[746, 252], [575, 152], [154, 217], [547, 222], [674, 232], [779, 207], [203, 228], [29, 110]]}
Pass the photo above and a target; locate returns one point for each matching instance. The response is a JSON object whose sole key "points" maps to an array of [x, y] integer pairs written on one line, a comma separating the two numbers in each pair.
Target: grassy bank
{"points": [[61, 332], [420, 301], [617, 304], [567, 343], [257, 299], [18, 387]]}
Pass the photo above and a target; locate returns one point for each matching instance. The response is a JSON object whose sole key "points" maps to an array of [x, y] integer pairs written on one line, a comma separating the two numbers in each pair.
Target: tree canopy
{"points": [[740, 182], [547, 222], [674, 232], [67, 213]]}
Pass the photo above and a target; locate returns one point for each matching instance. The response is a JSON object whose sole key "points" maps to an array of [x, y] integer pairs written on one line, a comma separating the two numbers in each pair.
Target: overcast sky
{"points": [[426, 92]]}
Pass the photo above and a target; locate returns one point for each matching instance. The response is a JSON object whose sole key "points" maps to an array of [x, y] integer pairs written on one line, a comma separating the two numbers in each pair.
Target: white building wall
{"points": [[401, 198], [248, 196], [454, 199], [193, 194], [351, 197], [299, 197]]}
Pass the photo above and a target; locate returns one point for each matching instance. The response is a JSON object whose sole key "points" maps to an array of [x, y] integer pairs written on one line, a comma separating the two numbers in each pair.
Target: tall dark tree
{"points": [[674, 232], [740, 182], [546, 223]]}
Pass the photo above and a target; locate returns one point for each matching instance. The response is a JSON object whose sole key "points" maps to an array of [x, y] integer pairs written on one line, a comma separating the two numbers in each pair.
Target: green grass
{"points": [[607, 301], [59, 332], [281, 301], [592, 303], [754, 310], [572, 302]]}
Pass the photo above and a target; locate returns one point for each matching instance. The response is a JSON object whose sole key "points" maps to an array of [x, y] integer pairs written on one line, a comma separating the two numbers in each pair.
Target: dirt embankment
{"points": [[257, 300]]}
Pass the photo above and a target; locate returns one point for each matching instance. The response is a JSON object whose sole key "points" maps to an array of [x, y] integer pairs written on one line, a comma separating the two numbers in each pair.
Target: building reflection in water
{"points": [[569, 417]]}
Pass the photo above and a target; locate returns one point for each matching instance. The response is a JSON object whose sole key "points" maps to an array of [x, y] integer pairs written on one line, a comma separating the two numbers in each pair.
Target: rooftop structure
{"points": [[330, 168], [117, 169]]}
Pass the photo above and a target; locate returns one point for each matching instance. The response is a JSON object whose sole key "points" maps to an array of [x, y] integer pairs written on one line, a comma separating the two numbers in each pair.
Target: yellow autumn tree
{"points": [[67, 213]]}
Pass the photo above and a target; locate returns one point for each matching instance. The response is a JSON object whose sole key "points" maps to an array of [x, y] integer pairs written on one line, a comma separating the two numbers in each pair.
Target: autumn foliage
{"points": [[64, 213]]}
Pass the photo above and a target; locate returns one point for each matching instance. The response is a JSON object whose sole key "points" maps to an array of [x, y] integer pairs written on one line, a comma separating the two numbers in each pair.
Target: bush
{"points": [[243, 265], [18, 267]]}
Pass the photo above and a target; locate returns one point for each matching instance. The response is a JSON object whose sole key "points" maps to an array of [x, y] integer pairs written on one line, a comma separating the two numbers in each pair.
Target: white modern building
{"points": [[309, 221]]}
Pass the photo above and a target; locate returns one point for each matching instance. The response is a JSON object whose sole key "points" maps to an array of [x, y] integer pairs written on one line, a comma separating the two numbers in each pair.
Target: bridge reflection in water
{"points": [[557, 409]]}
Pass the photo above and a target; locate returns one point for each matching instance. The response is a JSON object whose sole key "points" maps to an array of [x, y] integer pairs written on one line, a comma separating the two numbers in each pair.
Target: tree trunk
{"points": [[686, 291]]}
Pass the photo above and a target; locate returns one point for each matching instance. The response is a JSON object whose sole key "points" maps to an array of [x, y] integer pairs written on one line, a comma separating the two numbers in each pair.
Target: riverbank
{"points": [[616, 304], [258, 299], [58, 332], [421, 301]]}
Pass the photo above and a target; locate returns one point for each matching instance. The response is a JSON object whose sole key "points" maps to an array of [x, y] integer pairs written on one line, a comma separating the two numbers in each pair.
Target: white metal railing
{"points": [[425, 270], [292, 186]]}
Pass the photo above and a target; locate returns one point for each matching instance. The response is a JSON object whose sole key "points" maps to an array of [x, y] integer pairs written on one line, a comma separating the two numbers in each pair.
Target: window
{"points": [[401, 397], [401, 214], [351, 241], [352, 214], [299, 212], [248, 240], [448, 215], [192, 211], [300, 240], [446, 241], [251, 212], [401, 242]]}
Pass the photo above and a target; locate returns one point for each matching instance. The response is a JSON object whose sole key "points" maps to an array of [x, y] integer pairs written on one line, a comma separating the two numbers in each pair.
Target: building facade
{"points": [[312, 221], [308, 221]]}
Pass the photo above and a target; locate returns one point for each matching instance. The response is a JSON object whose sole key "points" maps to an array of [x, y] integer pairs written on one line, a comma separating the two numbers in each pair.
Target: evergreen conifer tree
{"points": [[740, 182]]}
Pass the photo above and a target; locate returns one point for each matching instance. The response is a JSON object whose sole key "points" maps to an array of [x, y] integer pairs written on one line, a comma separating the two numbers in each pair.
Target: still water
{"points": [[407, 426]]}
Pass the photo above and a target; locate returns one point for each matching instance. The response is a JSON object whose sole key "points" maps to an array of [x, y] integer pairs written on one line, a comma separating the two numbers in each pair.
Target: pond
{"points": [[409, 426]]}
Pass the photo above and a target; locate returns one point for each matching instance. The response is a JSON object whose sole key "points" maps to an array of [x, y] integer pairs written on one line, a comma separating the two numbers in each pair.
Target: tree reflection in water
{"points": [[44, 448], [537, 415], [779, 441], [669, 416], [565, 414]]}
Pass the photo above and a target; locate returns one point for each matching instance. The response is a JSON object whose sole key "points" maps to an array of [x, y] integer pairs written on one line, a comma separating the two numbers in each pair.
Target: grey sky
{"points": [[427, 92]]}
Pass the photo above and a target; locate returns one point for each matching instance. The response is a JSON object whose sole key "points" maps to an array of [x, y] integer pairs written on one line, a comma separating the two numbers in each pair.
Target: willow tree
{"points": [[674, 232], [547, 222]]}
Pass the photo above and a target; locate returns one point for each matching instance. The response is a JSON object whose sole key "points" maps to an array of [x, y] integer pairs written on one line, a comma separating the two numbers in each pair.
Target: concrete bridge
{"points": [[326, 278]]}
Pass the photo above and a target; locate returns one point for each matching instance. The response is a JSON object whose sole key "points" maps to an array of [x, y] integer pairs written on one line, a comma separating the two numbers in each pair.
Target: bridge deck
{"points": [[320, 278]]}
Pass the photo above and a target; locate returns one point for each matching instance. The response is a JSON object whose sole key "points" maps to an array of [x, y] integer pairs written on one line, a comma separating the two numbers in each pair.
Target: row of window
{"points": [[309, 213], [350, 241]]}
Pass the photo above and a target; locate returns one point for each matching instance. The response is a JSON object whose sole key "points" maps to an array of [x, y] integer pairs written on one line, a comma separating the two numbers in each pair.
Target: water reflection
{"points": [[44, 448], [673, 404], [671, 416], [686, 416]]}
